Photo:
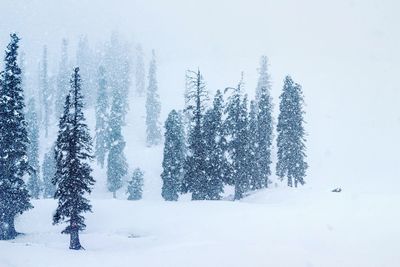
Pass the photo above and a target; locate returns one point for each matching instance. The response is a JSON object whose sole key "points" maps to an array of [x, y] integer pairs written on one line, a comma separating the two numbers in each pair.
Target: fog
{"points": [[344, 53]]}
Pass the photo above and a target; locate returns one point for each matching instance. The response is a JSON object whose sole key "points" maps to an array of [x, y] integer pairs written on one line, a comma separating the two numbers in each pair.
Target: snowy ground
{"points": [[276, 227]]}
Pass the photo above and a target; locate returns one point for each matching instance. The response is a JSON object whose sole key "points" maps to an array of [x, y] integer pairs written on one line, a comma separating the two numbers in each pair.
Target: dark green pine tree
{"points": [[174, 157], [14, 197], [48, 172], [73, 177], [33, 185], [117, 167], [102, 108], [195, 179], [265, 136], [236, 124], [254, 169], [291, 135], [135, 186], [215, 144], [153, 107]]}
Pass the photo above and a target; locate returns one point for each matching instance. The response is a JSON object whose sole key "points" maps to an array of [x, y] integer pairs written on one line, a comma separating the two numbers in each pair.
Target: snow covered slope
{"points": [[275, 227]]}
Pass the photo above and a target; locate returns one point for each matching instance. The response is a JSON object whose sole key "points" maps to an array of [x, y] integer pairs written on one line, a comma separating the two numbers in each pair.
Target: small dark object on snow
{"points": [[337, 190]]}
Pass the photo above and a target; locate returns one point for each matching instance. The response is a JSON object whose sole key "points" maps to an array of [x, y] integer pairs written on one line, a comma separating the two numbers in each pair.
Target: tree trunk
{"points": [[7, 229], [74, 241], [114, 194]]}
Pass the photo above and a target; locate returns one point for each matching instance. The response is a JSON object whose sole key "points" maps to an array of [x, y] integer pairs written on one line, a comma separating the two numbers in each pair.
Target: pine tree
{"points": [[117, 167], [135, 186], [215, 144], [140, 71], [174, 157], [48, 172], [153, 107], [265, 136], [254, 168], [102, 108], [85, 61], [291, 135], [236, 125], [195, 179], [62, 80], [73, 172], [14, 197], [33, 184], [45, 94], [264, 79]]}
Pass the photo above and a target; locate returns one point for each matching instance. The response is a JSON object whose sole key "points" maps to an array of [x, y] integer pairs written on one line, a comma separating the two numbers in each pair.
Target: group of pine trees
{"points": [[230, 143]]}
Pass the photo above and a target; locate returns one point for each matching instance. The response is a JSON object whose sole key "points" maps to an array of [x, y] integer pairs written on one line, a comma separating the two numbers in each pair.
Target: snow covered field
{"points": [[275, 227]]}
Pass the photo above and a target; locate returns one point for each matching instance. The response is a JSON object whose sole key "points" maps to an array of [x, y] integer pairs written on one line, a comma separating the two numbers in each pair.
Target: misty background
{"points": [[344, 53]]}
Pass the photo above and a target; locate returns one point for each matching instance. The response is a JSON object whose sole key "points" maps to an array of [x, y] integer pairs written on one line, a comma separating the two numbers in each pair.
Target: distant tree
{"points": [[291, 135], [14, 197], [102, 109], [46, 93], [48, 172], [195, 179], [215, 143], [73, 172], [174, 157], [264, 79], [85, 61], [135, 186], [153, 107], [140, 71], [33, 185], [62, 80], [117, 167]]}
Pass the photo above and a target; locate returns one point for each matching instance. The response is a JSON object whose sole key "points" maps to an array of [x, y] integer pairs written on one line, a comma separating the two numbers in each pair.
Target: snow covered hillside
{"points": [[270, 228]]}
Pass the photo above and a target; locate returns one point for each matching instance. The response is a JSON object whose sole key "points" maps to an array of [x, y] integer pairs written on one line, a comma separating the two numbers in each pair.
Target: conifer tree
{"points": [[135, 186], [174, 157], [153, 107], [117, 167], [45, 93], [48, 172], [73, 177], [14, 197], [254, 168], [215, 144], [264, 79], [85, 61], [102, 108], [33, 184], [62, 80], [291, 135], [195, 179], [140, 71]]}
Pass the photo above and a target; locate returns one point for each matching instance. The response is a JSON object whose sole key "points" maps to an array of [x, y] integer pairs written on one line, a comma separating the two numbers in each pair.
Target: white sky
{"points": [[344, 53]]}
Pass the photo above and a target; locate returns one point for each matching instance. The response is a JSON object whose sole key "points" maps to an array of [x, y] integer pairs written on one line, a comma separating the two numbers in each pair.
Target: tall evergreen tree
{"points": [[140, 71], [85, 61], [195, 179], [153, 106], [45, 93], [174, 157], [73, 173], [33, 185], [48, 172], [135, 186], [265, 136], [236, 125], [102, 108], [117, 167], [291, 135], [62, 80], [254, 151], [14, 197], [215, 144]]}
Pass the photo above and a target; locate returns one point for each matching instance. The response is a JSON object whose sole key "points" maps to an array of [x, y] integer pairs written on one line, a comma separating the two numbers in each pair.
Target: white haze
{"points": [[344, 53]]}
